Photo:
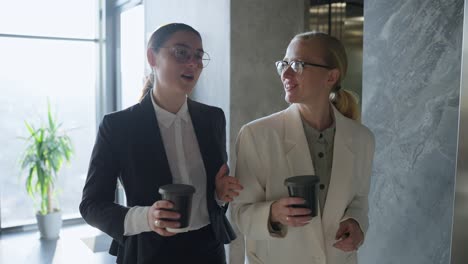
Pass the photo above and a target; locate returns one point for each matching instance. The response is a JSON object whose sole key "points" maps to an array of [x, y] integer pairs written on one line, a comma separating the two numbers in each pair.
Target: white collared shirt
{"points": [[185, 163]]}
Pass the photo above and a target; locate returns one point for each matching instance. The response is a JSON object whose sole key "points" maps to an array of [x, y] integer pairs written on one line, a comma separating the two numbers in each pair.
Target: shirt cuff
{"points": [[136, 221], [218, 201], [276, 229]]}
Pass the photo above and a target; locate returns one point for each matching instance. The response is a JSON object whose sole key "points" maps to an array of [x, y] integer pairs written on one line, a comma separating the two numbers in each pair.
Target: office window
{"points": [[132, 55], [48, 51], [53, 18]]}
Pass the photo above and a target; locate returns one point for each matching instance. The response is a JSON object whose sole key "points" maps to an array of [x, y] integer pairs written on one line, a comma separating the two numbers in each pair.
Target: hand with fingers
{"points": [[160, 217], [349, 236], [227, 187], [282, 211]]}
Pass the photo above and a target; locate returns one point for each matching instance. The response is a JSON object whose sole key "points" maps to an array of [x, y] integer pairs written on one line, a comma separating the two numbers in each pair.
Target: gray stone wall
{"points": [[411, 83]]}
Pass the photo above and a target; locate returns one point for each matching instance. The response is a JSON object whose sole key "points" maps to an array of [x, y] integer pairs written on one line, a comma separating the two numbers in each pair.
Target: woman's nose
{"points": [[194, 62], [287, 73]]}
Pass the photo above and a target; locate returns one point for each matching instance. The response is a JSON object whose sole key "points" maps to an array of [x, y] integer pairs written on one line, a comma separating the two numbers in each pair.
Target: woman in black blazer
{"points": [[165, 138]]}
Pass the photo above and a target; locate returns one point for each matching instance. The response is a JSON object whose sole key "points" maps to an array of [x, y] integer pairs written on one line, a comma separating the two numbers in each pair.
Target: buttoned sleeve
{"points": [[136, 221]]}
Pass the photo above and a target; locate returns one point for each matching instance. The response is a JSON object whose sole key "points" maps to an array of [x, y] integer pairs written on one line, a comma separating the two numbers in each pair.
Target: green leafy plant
{"points": [[47, 149]]}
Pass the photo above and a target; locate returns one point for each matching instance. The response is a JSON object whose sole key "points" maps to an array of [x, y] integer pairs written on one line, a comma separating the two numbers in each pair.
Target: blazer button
{"points": [[320, 154], [322, 186]]}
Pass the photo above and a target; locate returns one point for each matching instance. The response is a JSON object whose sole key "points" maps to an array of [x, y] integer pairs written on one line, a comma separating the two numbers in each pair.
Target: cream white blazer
{"points": [[273, 148]]}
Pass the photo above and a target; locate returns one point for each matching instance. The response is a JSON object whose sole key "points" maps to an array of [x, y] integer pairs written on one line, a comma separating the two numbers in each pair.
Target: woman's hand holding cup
{"points": [[282, 211], [160, 218]]}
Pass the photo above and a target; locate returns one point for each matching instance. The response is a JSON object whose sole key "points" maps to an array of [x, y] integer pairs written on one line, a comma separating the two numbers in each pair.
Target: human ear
{"points": [[151, 57], [333, 77]]}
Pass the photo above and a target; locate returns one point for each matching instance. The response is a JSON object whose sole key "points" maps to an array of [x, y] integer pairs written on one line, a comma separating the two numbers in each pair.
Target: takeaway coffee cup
{"points": [[305, 187], [181, 197]]}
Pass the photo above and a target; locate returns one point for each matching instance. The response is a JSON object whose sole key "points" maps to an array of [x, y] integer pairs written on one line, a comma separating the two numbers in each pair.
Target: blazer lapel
{"points": [[340, 179], [295, 144], [201, 129], [152, 136]]}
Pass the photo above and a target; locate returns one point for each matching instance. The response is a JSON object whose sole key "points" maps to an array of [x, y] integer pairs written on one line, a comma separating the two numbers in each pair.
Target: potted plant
{"points": [[48, 147]]}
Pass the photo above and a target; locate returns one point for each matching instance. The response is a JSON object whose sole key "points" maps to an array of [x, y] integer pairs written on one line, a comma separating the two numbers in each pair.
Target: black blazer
{"points": [[129, 147]]}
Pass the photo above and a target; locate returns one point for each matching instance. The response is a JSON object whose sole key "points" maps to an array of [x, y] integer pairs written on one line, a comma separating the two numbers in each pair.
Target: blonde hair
{"points": [[335, 56]]}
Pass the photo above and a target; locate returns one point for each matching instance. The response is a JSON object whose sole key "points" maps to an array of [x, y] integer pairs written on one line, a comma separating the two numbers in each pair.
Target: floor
{"points": [[77, 244]]}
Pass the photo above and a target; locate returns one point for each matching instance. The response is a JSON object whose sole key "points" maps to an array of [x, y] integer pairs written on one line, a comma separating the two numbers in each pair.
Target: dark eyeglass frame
{"points": [[283, 65], [203, 57]]}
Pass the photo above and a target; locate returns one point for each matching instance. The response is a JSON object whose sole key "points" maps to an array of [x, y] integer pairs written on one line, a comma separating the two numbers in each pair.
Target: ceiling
{"points": [[349, 2]]}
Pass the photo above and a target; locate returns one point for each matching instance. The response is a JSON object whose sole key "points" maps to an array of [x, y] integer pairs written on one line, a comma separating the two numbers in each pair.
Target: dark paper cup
{"points": [[181, 197], [304, 187]]}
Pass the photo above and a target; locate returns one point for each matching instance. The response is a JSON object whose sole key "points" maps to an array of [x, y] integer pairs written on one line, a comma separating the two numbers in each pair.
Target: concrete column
{"points": [[260, 33]]}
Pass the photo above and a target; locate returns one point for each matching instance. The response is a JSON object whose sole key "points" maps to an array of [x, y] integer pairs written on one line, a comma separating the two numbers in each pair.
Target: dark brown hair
{"points": [[157, 40]]}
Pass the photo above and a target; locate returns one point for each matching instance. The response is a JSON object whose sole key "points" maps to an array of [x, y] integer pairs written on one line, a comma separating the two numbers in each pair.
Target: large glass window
{"points": [[132, 55], [53, 18], [37, 67]]}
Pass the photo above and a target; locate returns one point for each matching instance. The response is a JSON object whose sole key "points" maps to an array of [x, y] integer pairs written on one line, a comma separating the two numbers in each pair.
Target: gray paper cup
{"points": [[181, 197], [304, 187]]}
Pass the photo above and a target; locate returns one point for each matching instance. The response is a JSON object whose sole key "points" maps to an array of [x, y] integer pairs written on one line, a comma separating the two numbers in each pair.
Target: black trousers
{"points": [[198, 246]]}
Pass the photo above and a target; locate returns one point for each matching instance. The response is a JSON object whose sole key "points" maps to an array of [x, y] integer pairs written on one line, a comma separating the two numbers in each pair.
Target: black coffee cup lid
{"points": [[177, 188], [302, 180]]}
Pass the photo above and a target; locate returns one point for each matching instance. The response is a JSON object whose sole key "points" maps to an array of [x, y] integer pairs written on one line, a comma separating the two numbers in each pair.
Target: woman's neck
{"points": [[318, 116], [170, 103]]}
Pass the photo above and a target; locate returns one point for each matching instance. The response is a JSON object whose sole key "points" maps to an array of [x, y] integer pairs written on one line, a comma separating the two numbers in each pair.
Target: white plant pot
{"points": [[49, 225]]}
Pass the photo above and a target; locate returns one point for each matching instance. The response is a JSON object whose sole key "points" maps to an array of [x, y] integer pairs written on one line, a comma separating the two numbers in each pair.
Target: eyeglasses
{"points": [[296, 66], [184, 54]]}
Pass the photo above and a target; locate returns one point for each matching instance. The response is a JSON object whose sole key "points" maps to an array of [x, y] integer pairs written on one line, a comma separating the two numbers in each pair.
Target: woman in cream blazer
{"points": [[273, 148]]}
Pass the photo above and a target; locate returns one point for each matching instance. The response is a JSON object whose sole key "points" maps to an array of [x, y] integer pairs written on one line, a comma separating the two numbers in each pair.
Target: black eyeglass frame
{"points": [[302, 63]]}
